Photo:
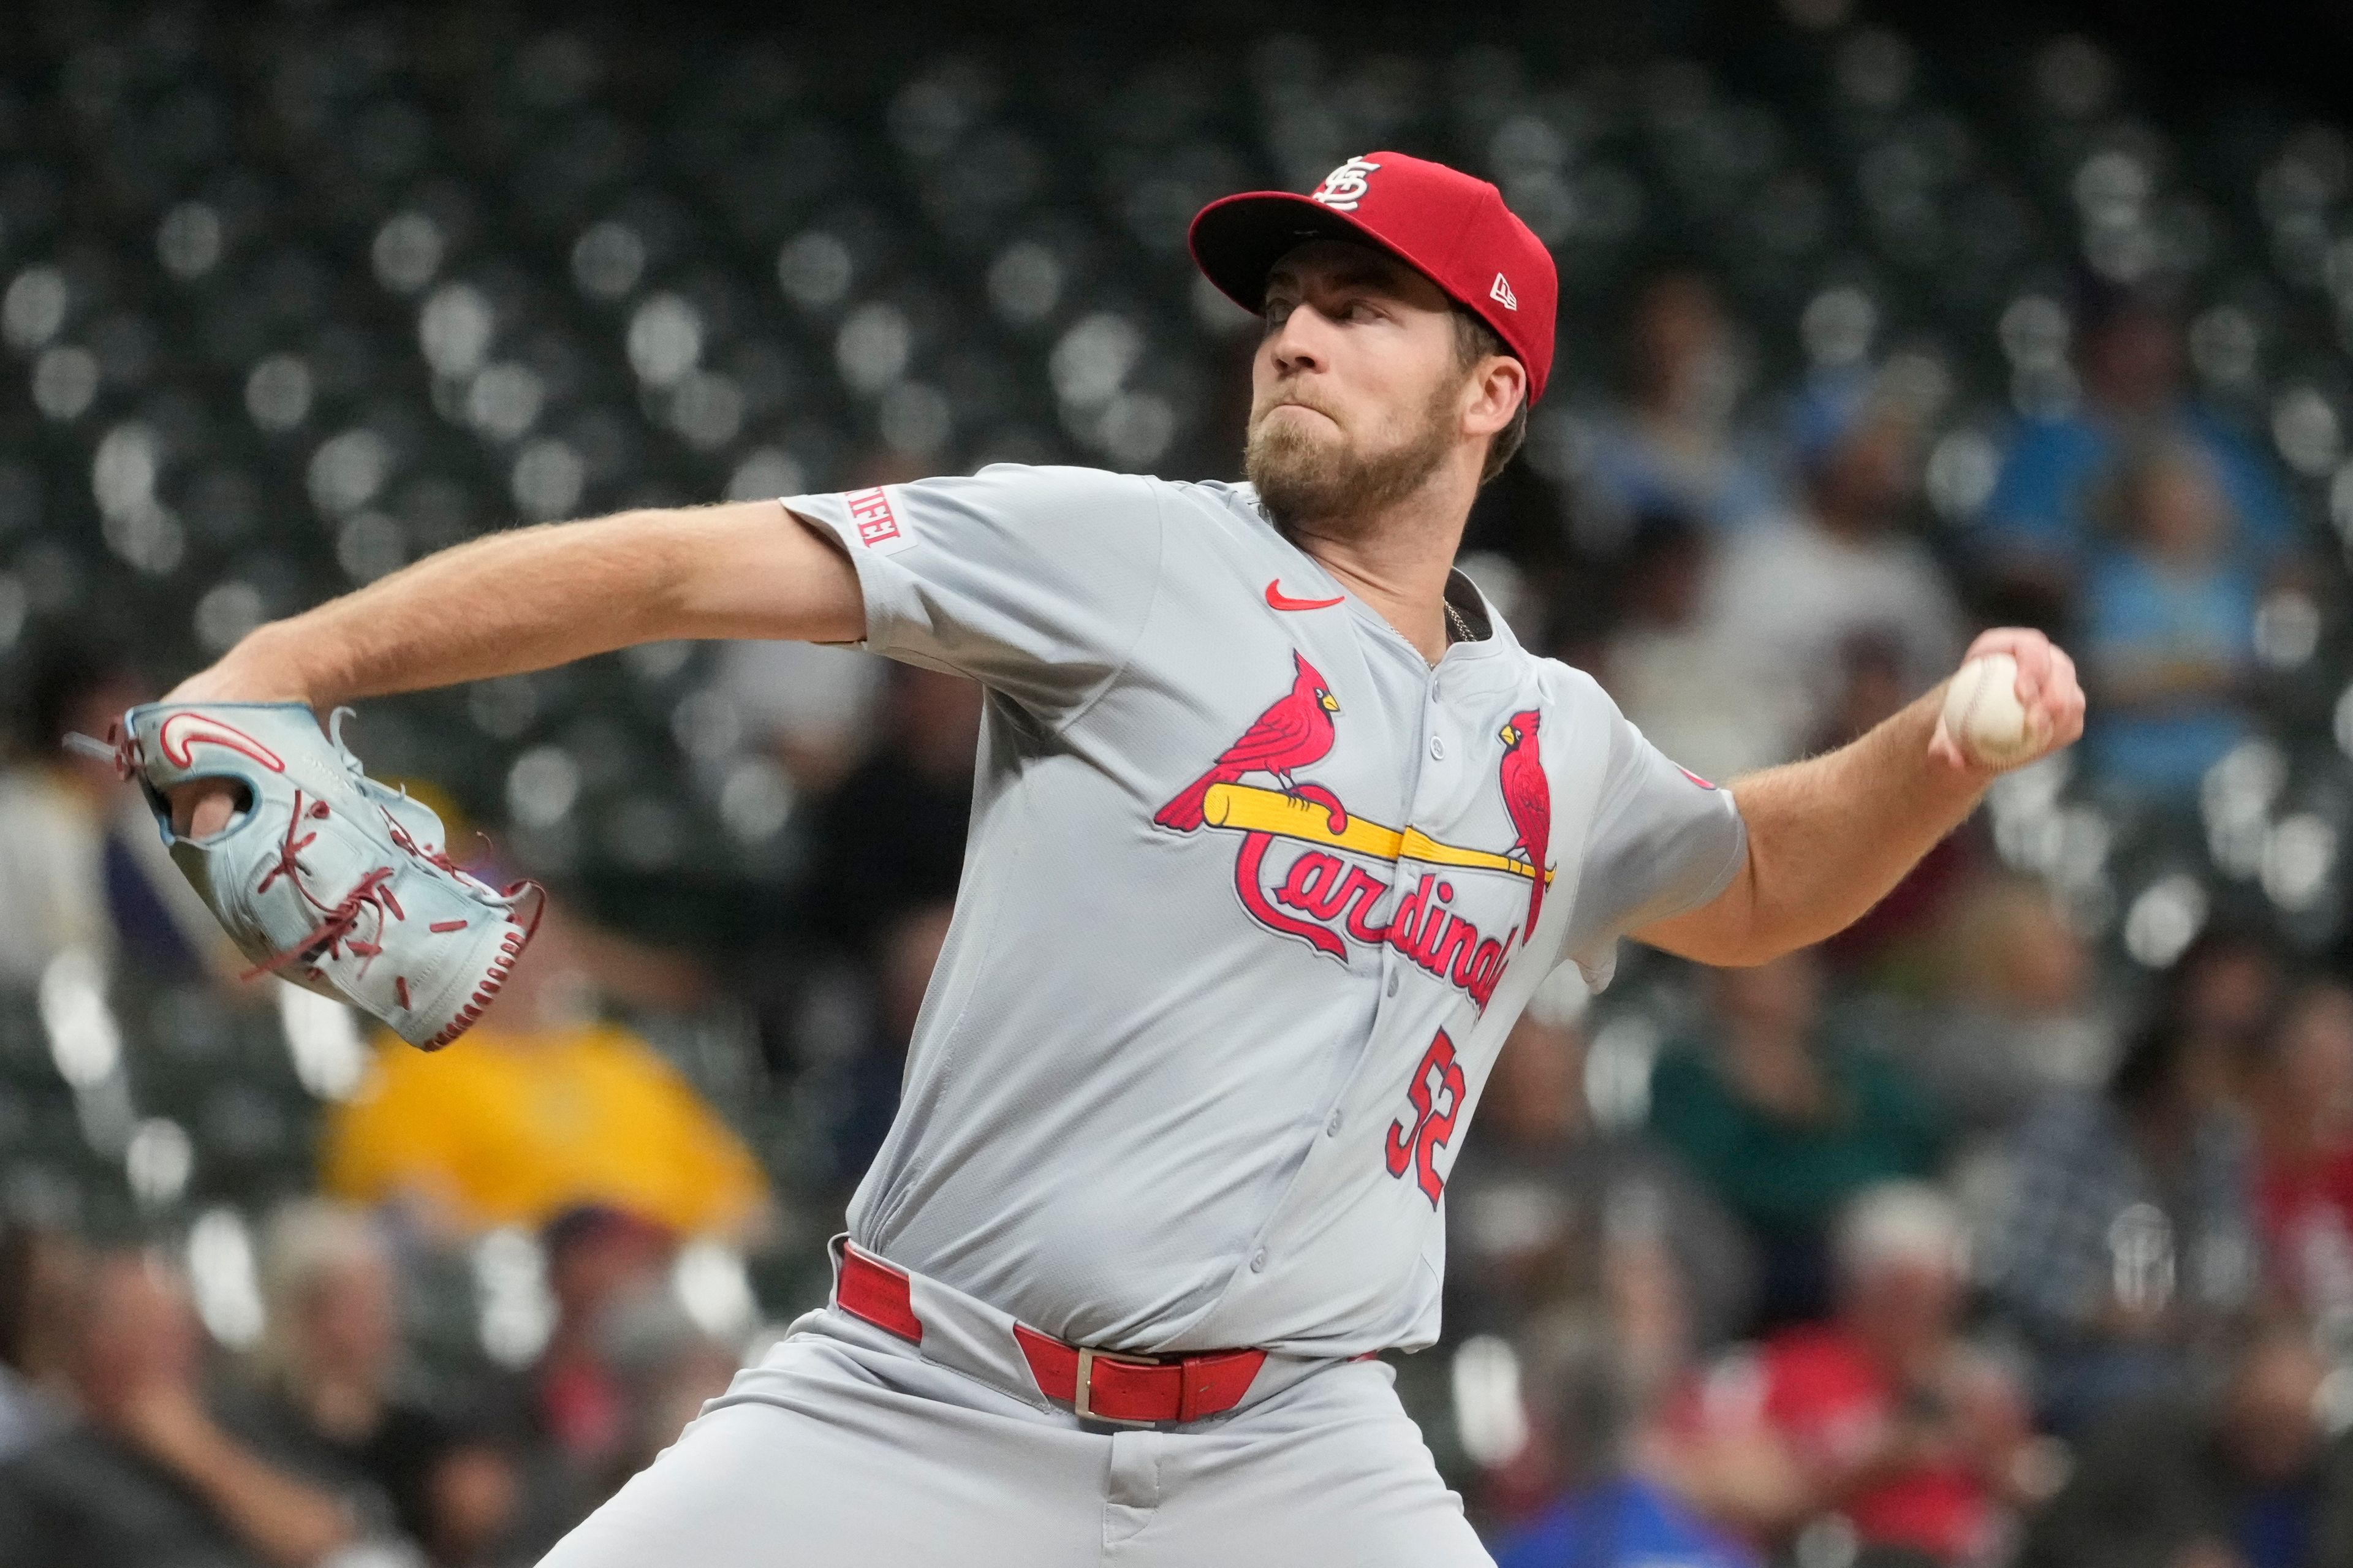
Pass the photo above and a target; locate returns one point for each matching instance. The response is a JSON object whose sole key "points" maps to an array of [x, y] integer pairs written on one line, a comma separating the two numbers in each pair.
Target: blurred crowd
{"points": [[2013, 1226]]}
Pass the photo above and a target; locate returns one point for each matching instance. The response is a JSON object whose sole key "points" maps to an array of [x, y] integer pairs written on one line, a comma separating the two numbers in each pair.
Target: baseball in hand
{"points": [[1984, 716]]}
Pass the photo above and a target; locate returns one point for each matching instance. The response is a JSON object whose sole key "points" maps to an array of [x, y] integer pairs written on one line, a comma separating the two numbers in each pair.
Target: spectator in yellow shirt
{"points": [[541, 1108]]}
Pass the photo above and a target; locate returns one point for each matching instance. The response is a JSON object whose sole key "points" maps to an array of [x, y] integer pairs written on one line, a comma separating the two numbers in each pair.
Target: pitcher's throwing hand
{"points": [[2049, 713]]}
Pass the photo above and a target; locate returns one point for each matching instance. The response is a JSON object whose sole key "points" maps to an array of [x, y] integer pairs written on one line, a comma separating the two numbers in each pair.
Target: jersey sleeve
{"points": [[1663, 841], [1032, 580]]}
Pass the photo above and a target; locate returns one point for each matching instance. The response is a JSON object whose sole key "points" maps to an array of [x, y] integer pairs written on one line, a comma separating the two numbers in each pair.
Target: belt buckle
{"points": [[1088, 1356]]}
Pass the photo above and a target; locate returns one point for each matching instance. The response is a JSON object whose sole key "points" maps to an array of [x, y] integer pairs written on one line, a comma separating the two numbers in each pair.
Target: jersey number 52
{"points": [[1436, 1093]]}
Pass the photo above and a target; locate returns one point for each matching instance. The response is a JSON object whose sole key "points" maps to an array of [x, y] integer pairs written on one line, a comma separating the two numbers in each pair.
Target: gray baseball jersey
{"points": [[1253, 896]]}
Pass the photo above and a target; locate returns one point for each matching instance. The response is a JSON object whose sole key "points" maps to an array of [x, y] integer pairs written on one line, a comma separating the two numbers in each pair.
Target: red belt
{"points": [[1097, 1384]]}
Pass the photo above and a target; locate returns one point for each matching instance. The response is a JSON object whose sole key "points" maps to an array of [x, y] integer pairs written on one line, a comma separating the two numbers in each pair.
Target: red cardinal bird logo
{"points": [[1527, 796], [1290, 734]]}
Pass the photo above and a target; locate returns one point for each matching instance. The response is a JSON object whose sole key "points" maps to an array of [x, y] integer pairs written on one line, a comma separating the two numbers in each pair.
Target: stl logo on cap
{"points": [[1344, 186]]}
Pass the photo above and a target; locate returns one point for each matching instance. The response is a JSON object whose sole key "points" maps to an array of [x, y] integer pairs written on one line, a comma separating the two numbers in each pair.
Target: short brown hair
{"points": [[1474, 340]]}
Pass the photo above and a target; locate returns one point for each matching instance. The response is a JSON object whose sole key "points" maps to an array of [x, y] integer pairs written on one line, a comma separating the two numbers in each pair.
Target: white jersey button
{"points": [[1332, 1128], [1436, 749], [1258, 1261]]}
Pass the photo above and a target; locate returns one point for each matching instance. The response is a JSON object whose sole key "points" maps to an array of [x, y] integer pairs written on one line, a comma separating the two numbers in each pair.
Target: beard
{"points": [[1304, 475]]}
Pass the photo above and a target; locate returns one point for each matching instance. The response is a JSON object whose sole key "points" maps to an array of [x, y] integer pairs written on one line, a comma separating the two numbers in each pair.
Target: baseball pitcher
{"points": [[1276, 829]]}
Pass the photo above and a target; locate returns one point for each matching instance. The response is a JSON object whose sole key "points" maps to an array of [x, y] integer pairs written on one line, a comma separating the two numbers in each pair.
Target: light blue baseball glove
{"points": [[328, 877]]}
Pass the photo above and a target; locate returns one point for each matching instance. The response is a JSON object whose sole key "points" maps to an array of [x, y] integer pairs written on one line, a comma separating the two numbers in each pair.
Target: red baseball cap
{"points": [[1451, 228]]}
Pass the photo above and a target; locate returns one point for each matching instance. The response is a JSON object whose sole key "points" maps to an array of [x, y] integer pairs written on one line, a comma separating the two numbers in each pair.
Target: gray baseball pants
{"points": [[847, 1446]]}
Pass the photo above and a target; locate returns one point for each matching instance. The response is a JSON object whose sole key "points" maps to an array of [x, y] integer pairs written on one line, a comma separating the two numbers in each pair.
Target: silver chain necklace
{"points": [[1461, 627]]}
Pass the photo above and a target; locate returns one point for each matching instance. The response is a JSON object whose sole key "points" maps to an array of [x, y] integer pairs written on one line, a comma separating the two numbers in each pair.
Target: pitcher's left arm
{"points": [[1830, 835]]}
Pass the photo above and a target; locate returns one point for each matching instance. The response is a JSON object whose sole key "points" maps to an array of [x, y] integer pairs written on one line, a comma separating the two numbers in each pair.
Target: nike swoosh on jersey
{"points": [[1282, 601]]}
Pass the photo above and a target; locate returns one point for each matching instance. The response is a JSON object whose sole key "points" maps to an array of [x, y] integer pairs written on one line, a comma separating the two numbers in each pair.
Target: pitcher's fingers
{"points": [[2064, 664], [203, 808], [2032, 652], [213, 813], [2069, 693], [2029, 649]]}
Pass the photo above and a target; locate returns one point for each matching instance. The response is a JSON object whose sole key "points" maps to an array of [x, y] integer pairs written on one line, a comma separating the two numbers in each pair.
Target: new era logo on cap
{"points": [[1450, 227]]}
